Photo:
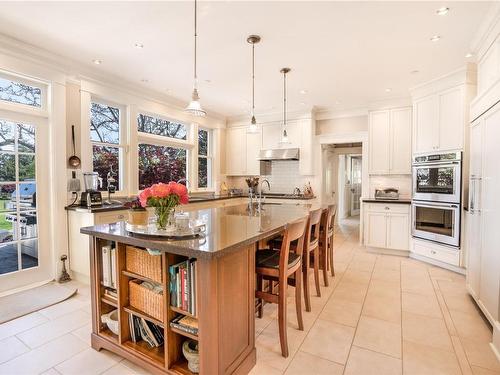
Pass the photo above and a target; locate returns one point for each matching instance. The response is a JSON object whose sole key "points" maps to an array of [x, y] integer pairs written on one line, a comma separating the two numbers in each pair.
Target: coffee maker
{"points": [[91, 197]]}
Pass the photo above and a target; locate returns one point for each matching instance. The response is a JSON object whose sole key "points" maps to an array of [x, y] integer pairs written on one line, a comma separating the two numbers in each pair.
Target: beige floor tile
{"points": [[382, 307], [417, 285], [385, 274], [44, 357], [21, 324], [476, 370], [262, 369], [385, 289], [11, 347], [305, 363], [63, 308], [461, 357], [83, 333], [350, 291], [479, 353], [363, 362], [361, 266], [119, 369], [54, 328], [426, 331], [342, 312], [135, 368], [329, 340], [471, 326], [51, 371], [89, 362], [388, 262], [452, 287], [442, 274], [379, 335], [422, 359], [421, 304], [354, 276], [461, 302]]}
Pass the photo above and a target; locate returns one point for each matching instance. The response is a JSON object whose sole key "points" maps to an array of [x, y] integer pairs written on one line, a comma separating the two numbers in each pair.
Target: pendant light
{"points": [[194, 107], [253, 39], [284, 136]]}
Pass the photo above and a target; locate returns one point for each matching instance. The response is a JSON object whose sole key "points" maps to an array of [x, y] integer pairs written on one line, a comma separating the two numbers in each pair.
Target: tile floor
{"points": [[381, 315]]}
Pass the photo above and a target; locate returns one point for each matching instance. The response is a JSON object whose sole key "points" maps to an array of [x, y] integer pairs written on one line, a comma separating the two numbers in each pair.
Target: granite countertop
{"points": [[396, 201], [227, 229]]}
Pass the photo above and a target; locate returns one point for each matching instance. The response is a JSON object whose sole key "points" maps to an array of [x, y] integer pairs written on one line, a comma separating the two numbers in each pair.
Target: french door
{"points": [[25, 257], [355, 185]]}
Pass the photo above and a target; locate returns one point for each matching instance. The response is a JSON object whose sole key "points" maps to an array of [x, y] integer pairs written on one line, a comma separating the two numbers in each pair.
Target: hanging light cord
{"points": [[253, 79], [284, 101], [195, 37]]}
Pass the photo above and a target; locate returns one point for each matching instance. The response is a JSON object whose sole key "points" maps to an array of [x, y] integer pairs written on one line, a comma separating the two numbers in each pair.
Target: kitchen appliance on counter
{"points": [[91, 197], [436, 221], [387, 194], [437, 177]]}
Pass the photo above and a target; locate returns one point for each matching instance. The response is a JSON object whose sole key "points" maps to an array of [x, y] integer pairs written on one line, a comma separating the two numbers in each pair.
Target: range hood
{"points": [[279, 154]]}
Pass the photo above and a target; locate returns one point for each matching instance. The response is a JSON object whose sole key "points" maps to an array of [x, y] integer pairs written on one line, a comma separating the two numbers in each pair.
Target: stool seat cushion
{"points": [[267, 258]]}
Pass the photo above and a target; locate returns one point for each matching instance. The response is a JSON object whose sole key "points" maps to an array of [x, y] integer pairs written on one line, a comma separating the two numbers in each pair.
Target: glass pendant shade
{"points": [[284, 138], [252, 128], [284, 135], [194, 107]]}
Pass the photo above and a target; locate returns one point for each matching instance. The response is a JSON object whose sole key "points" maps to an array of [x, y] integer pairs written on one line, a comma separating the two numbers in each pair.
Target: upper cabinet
{"points": [[236, 151], [441, 112], [390, 141]]}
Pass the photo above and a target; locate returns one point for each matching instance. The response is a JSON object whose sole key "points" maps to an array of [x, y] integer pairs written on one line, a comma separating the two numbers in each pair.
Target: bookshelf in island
{"points": [[169, 295]]}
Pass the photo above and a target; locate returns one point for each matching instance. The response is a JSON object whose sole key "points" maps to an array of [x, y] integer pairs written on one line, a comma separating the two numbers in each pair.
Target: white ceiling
{"points": [[345, 54]]}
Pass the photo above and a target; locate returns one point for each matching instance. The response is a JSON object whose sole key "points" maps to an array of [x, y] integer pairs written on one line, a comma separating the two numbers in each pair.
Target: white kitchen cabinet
{"points": [[387, 225], [390, 141], [253, 146], [439, 120], [488, 68], [236, 154]]}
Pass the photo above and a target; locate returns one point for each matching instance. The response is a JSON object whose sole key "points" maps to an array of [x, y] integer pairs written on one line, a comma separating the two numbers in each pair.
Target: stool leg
{"points": [[324, 258], [331, 255], [260, 312], [305, 268], [316, 271], [298, 298], [282, 318]]}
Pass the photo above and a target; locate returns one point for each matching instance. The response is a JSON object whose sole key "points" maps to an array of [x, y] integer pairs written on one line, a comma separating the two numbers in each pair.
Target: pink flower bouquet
{"points": [[164, 198]]}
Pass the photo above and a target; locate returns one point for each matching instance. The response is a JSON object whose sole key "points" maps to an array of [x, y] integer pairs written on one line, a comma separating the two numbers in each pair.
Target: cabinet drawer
{"points": [[110, 217], [388, 207], [441, 254]]}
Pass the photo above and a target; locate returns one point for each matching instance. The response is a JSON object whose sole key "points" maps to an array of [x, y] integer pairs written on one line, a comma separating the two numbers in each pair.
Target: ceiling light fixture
{"points": [[97, 61], [253, 39], [415, 71], [144, 80], [468, 55], [194, 107], [435, 38], [284, 136], [303, 92], [388, 89], [442, 11], [139, 45]]}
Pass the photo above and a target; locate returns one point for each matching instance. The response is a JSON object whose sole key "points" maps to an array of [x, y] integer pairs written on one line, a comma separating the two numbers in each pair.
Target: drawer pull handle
{"points": [[387, 208], [433, 252]]}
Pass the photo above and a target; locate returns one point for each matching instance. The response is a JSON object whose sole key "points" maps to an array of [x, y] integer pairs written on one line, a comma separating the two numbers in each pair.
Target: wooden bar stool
{"points": [[281, 266], [326, 241], [311, 247], [333, 212]]}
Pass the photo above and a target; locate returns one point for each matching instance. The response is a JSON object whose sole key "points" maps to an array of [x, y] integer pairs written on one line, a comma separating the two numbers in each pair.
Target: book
{"points": [[182, 285], [150, 336], [113, 268], [172, 270], [190, 325], [106, 266]]}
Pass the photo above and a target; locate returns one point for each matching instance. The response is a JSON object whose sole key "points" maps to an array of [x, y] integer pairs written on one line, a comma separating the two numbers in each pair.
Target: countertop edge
{"points": [[387, 201]]}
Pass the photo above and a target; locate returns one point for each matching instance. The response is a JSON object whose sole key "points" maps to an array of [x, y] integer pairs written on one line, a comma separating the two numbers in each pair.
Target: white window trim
{"points": [[25, 108], [122, 145]]}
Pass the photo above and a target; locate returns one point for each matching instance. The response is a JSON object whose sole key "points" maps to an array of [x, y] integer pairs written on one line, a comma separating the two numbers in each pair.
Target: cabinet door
{"points": [[451, 119], [271, 135], [379, 139], [376, 228], [253, 146], [236, 151], [425, 124], [294, 135], [490, 213], [400, 161], [398, 233]]}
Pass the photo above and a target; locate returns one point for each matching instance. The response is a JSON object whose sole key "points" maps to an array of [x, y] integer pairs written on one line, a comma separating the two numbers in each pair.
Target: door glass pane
{"points": [[18, 92], [7, 197], [7, 167], [29, 253], [27, 196], [435, 220], [26, 167], [26, 138], [7, 220], [9, 261], [7, 137], [27, 225], [104, 123], [435, 180]]}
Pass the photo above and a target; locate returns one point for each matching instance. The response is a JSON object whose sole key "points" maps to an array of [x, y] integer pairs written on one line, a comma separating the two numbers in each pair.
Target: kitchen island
{"points": [[224, 284]]}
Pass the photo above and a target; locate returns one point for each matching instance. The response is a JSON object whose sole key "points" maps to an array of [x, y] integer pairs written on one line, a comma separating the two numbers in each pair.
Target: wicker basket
{"points": [[145, 300], [140, 262]]}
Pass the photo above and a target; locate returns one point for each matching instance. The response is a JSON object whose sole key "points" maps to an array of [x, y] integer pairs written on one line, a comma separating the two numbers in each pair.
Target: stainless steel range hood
{"points": [[279, 154]]}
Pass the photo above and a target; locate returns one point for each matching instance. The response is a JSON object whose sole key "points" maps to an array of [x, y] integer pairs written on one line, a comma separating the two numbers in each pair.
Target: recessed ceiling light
{"points": [[302, 103], [144, 80], [388, 89], [208, 81], [97, 61], [337, 101], [415, 71], [442, 11], [139, 45], [468, 55], [303, 91], [435, 38]]}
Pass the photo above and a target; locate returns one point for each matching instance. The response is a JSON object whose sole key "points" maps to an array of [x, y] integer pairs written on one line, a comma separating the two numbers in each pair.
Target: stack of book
{"points": [[185, 323], [183, 286], [141, 329]]}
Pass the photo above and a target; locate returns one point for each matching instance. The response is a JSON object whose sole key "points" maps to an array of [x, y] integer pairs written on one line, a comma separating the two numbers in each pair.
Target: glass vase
{"points": [[164, 217]]}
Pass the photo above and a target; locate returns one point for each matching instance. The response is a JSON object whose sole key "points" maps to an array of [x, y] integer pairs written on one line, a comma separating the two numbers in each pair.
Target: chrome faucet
{"points": [[296, 191]]}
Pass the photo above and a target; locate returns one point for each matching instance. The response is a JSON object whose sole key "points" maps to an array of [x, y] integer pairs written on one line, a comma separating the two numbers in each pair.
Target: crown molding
{"points": [[330, 114], [75, 72], [487, 32]]}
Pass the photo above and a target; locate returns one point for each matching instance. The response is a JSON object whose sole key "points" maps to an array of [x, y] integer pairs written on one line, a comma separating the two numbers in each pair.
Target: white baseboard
{"points": [[438, 263], [85, 279]]}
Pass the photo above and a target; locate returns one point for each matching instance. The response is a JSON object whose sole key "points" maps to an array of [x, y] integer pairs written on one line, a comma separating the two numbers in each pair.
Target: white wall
{"points": [[342, 125], [400, 182]]}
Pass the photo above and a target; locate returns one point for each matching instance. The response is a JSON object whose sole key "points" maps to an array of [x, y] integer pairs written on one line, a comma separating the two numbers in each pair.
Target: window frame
{"points": [[122, 145], [210, 159], [26, 108]]}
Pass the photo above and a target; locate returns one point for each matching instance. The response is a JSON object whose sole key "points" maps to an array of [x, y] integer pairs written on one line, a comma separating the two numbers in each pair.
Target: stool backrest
{"points": [[332, 210], [294, 231], [313, 226]]}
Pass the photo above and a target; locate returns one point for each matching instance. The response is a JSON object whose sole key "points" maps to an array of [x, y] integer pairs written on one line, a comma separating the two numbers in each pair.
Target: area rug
{"points": [[18, 304]]}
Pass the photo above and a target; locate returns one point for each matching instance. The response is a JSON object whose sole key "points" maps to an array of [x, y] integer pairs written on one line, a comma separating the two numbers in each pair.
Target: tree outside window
{"points": [[204, 159], [161, 164], [18, 92]]}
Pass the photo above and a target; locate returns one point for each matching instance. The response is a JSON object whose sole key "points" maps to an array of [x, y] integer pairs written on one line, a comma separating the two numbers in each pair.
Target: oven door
{"points": [[437, 182], [439, 222]]}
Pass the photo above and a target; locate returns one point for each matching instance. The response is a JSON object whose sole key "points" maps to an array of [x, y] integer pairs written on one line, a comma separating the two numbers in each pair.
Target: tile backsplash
{"points": [[285, 176], [400, 182]]}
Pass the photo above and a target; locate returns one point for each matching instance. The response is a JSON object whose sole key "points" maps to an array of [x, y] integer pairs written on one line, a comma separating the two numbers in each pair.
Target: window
{"points": [[107, 148], [19, 92], [161, 164], [162, 127], [204, 159]]}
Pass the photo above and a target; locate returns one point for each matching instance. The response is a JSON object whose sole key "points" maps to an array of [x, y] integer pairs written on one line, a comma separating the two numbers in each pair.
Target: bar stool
{"points": [[281, 266], [311, 247], [326, 241]]}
